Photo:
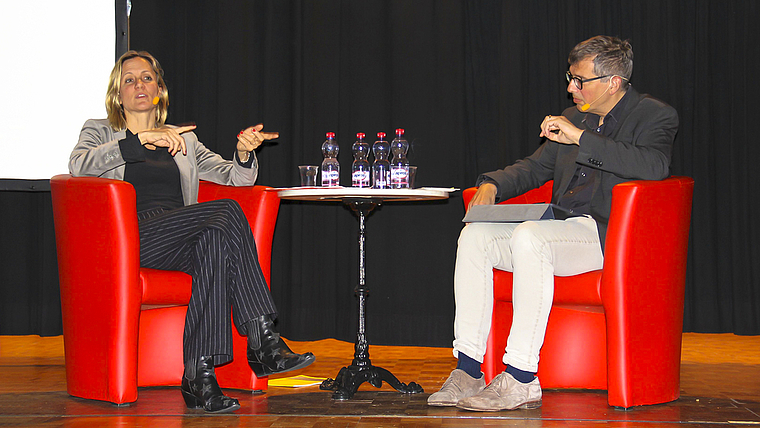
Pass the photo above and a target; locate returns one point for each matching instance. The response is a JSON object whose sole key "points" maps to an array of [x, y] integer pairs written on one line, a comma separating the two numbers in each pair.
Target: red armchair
{"points": [[122, 324], [618, 328]]}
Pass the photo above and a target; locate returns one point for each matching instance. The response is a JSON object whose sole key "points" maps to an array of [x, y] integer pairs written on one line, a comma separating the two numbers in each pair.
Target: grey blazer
{"points": [[639, 149], [98, 154]]}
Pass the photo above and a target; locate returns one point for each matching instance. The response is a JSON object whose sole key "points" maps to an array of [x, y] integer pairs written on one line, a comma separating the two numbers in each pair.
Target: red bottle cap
{"points": [[381, 135], [399, 132], [360, 135], [331, 135]]}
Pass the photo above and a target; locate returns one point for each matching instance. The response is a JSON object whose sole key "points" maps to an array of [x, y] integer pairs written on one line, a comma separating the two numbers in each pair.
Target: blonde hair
{"points": [[113, 105]]}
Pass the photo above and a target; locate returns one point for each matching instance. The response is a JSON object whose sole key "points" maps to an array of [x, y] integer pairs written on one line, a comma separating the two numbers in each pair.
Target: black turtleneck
{"points": [[153, 173]]}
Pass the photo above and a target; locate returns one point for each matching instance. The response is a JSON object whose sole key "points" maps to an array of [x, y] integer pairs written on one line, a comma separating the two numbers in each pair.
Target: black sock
{"points": [[520, 375], [470, 366]]}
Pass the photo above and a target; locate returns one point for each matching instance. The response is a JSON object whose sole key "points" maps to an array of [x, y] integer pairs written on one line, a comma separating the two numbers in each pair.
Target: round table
{"points": [[362, 201]]}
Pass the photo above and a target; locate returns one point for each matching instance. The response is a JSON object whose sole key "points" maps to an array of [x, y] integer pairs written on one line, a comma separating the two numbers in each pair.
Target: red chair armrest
{"points": [[98, 261], [643, 281]]}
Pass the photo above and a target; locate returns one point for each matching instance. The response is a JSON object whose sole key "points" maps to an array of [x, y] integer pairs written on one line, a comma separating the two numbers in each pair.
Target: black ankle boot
{"points": [[269, 354], [203, 391]]}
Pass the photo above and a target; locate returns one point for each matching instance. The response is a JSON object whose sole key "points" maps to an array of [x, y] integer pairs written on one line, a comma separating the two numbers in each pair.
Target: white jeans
{"points": [[534, 251]]}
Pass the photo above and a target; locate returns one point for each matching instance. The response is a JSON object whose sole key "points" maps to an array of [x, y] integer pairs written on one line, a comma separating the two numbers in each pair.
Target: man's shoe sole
{"points": [[441, 404], [528, 405]]}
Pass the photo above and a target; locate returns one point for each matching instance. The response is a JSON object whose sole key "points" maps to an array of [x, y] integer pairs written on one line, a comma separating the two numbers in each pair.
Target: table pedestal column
{"points": [[361, 370]]}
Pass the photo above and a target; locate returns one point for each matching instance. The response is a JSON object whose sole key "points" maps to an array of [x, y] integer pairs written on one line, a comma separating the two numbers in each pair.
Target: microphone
{"points": [[587, 106]]}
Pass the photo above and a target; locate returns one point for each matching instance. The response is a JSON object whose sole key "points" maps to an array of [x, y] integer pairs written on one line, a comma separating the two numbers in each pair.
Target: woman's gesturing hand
{"points": [[251, 138], [166, 137]]}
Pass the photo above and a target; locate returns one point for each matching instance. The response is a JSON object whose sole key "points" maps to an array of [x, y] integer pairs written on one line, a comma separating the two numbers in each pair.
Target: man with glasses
{"points": [[612, 134]]}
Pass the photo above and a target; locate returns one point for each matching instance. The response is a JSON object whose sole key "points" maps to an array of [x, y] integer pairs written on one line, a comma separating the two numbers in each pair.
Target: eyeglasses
{"points": [[579, 82]]}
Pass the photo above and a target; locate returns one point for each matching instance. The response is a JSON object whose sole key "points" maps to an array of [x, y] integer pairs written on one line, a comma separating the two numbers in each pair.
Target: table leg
{"points": [[361, 370]]}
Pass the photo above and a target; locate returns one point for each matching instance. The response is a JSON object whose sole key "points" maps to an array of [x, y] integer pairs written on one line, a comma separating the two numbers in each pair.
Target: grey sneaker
{"points": [[459, 385], [504, 393]]}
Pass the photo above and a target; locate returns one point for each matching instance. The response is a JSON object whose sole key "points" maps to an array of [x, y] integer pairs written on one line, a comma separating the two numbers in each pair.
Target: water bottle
{"points": [[381, 168], [360, 167], [400, 165], [330, 165]]}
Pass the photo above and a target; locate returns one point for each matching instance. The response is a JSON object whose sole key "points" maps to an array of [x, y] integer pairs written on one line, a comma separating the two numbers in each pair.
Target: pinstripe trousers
{"points": [[213, 243]]}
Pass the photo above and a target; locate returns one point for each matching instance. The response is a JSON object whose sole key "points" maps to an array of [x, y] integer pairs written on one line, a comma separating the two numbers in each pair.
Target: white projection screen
{"points": [[55, 57]]}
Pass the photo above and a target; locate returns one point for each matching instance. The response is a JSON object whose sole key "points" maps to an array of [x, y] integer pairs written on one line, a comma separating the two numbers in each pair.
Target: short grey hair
{"points": [[611, 56]]}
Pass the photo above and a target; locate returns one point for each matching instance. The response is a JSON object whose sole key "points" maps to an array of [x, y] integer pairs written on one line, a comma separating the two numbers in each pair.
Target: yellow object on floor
{"points": [[296, 381]]}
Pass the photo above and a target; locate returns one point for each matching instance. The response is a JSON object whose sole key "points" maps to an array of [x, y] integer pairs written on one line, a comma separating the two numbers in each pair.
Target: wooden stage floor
{"points": [[720, 386]]}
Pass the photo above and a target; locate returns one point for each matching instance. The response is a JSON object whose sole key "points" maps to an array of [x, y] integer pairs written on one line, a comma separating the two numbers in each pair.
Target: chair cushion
{"points": [[165, 287], [583, 289]]}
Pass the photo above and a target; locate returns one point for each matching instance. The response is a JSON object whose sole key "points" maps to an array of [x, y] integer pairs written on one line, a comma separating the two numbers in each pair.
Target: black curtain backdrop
{"points": [[30, 302], [469, 81]]}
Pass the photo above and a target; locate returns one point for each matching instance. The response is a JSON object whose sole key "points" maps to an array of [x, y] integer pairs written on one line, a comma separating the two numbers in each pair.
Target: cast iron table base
{"points": [[361, 370]]}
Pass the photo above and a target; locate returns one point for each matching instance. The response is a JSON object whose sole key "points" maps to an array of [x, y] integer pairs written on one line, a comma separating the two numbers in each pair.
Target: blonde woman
{"points": [[210, 241]]}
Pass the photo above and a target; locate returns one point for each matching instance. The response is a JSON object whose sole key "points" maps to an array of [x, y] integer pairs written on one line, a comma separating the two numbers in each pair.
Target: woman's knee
{"points": [[229, 208]]}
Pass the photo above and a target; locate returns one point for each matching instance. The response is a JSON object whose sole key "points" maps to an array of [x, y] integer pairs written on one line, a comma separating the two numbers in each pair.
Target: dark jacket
{"points": [[639, 149]]}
